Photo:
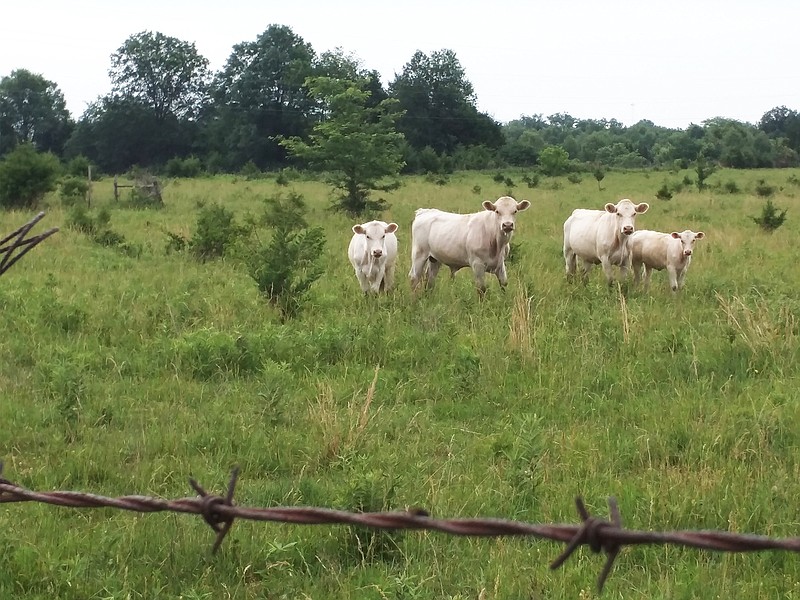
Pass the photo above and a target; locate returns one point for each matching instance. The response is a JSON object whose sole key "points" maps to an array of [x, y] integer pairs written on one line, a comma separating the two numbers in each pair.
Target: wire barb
{"points": [[592, 533], [219, 522]]}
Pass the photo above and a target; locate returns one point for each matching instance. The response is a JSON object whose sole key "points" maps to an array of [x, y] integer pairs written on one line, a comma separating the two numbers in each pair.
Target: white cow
{"points": [[601, 236], [477, 240], [373, 254], [659, 251]]}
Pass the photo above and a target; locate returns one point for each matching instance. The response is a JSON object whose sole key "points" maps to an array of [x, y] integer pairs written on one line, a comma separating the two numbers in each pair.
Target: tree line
{"points": [[262, 110]]}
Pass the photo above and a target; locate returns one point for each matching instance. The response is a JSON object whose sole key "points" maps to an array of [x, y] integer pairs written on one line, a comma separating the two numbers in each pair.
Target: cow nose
{"points": [[377, 253], [687, 252], [627, 230], [507, 226]]}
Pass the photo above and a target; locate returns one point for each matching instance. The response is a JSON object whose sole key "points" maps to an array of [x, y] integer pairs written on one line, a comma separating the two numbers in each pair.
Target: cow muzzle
{"points": [[508, 227], [687, 252], [627, 230], [377, 253]]}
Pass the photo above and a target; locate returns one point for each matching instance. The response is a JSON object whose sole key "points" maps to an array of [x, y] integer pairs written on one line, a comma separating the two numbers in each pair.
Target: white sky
{"points": [[674, 62]]}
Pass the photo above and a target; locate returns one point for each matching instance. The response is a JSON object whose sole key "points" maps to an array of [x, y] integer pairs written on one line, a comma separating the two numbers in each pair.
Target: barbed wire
{"points": [[219, 512], [21, 243]]}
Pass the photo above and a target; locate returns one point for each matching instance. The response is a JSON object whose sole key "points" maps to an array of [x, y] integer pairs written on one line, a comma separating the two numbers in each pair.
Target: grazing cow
{"points": [[601, 236], [477, 240], [659, 251], [373, 253]]}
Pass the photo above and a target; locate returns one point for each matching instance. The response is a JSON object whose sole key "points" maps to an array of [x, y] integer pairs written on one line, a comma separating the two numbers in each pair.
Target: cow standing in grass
{"points": [[654, 250], [373, 254], [601, 237], [477, 240]]}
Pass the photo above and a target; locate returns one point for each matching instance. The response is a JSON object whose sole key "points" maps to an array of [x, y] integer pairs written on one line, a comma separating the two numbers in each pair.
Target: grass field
{"points": [[129, 374]]}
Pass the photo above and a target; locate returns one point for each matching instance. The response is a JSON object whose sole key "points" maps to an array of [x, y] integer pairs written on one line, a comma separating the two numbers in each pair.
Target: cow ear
{"points": [[612, 208], [488, 205], [523, 205], [642, 207], [699, 235], [675, 235], [359, 229], [391, 228]]}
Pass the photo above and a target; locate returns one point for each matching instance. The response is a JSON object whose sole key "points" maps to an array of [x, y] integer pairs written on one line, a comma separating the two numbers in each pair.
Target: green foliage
{"points": [[663, 192], [26, 176], [599, 174], [73, 190], [574, 178], [704, 170], [216, 233], [731, 187], [532, 180], [285, 267], [183, 167], [771, 217], [356, 147], [78, 166], [32, 111], [251, 172], [763, 189], [98, 228], [553, 161]]}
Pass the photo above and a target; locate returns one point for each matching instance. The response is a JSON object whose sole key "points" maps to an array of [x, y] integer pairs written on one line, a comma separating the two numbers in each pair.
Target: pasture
{"points": [[127, 375]]}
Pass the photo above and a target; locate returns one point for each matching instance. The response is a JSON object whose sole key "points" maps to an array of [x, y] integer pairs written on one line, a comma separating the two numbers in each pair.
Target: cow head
{"points": [[626, 212], [375, 234], [506, 209], [687, 239]]}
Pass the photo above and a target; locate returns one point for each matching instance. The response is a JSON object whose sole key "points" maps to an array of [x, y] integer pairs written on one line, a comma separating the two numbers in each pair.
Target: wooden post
{"points": [[116, 190]]}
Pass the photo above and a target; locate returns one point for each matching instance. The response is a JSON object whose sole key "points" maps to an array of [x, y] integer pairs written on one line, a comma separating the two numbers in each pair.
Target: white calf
{"points": [[373, 253], [601, 236], [659, 251]]}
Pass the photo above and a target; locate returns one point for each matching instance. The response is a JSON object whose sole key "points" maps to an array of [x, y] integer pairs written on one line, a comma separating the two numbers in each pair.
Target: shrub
{"points": [[216, 232], [79, 167], [663, 192], [574, 178], [531, 180], [286, 267], [183, 167], [73, 190], [599, 175], [731, 187], [764, 189], [251, 171], [771, 217], [26, 176]]}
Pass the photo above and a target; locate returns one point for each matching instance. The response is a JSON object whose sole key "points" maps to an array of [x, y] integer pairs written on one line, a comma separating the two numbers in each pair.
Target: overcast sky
{"points": [[672, 62]]}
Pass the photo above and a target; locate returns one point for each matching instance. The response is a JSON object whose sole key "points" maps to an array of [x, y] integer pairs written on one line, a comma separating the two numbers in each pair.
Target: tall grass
{"points": [[128, 374]]}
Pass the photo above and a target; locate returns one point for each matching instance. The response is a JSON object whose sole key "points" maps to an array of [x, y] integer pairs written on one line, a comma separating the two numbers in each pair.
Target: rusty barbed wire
{"points": [[21, 243], [599, 534]]}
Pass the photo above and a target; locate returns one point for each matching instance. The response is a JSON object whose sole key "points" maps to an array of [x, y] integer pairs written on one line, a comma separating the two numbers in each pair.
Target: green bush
{"points": [[26, 176], [663, 192], [216, 232], [183, 167], [771, 217], [286, 267], [764, 189], [73, 190]]}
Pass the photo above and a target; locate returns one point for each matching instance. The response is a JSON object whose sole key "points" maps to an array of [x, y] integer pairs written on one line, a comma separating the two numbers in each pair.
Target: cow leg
{"points": [[377, 280], [571, 263], [479, 270], [682, 277], [587, 266], [433, 270], [419, 263], [637, 274], [608, 269], [648, 273], [502, 275], [362, 280], [388, 278], [673, 279]]}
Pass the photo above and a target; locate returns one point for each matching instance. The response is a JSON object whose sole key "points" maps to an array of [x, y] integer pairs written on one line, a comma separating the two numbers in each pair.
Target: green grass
{"points": [[129, 374]]}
